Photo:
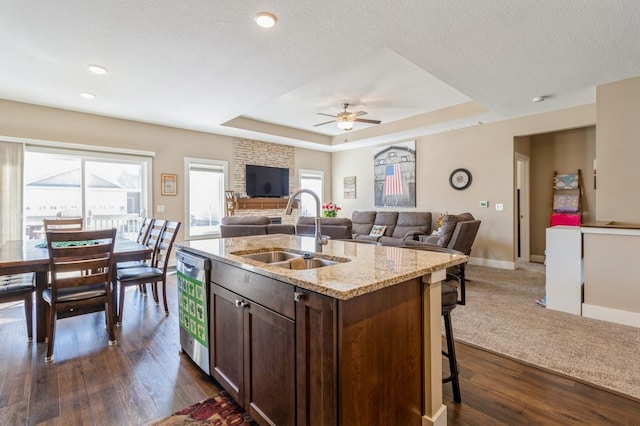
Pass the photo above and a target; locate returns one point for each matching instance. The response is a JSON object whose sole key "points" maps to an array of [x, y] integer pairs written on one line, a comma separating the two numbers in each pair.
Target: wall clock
{"points": [[460, 179]]}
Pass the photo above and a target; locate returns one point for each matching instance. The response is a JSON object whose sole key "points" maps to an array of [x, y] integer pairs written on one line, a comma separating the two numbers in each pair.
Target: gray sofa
{"points": [[399, 226], [458, 232], [242, 226], [336, 228]]}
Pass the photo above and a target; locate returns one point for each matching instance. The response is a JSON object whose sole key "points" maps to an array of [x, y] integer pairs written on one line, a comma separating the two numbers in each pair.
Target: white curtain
{"points": [[11, 165]]}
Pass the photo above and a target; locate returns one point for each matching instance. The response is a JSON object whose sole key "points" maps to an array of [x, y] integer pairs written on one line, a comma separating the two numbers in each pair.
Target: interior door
{"points": [[522, 246]]}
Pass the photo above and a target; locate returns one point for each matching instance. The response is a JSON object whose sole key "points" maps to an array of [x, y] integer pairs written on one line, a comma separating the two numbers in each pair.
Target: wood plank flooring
{"points": [[144, 378]]}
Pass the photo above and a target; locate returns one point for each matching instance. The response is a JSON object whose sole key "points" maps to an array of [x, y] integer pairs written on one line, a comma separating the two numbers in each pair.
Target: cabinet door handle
{"points": [[241, 303], [298, 297]]}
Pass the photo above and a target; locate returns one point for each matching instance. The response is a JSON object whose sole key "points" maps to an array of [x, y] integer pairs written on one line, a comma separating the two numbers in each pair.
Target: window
{"points": [[313, 180], [107, 190], [205, 183]]}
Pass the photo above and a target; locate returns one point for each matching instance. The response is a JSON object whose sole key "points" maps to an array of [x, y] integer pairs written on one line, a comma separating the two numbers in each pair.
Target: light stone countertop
{"points": [[365, 267]]}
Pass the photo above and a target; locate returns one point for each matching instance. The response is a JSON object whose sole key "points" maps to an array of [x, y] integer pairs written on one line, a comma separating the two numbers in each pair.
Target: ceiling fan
{"points": [[345, 119]]}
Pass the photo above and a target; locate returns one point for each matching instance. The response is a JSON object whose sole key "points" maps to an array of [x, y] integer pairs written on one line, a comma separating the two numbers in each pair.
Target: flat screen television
{"points": [[263, 181]]}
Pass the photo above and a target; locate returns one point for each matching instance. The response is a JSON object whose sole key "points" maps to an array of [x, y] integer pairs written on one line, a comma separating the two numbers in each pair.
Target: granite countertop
{"points": [[364, 267]]}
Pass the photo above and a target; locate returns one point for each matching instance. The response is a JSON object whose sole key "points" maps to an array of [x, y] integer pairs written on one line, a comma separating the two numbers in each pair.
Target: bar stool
{"points": [[450, 299], [449, 303]]}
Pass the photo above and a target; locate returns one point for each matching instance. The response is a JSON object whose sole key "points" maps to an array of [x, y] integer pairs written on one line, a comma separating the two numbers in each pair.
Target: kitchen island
{"points": [[355, 342]]}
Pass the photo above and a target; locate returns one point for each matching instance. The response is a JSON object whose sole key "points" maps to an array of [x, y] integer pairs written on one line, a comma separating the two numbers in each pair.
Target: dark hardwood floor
{"points": [[144, 379]]}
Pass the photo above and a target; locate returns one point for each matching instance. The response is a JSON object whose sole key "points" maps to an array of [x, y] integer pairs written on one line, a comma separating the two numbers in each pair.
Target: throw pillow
{"points": [[377, 231]]}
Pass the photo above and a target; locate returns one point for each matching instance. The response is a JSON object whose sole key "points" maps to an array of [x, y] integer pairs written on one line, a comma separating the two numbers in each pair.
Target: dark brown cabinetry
{"points": [[292, 356], [253, 346], [316, 358]]}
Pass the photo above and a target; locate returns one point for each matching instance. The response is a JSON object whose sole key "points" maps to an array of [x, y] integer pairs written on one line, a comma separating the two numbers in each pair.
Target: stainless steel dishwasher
{"points": [[193, 302]]}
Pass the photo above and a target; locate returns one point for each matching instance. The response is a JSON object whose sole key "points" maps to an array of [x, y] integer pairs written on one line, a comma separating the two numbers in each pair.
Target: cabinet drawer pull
{"points": [[298, 297], [241, 303]]}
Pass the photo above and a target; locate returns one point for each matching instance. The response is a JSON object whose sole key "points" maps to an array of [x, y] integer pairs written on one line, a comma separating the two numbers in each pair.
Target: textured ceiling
{"points": [[205, 65]]}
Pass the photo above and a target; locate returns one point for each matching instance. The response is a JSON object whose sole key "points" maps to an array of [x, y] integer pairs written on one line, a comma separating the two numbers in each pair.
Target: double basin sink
{"points": [[291, 260]]}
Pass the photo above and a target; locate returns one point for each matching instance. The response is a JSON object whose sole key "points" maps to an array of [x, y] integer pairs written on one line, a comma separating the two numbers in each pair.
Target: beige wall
{"points": [[169, 144], [564, 152], [618, 151], [488, 152]]}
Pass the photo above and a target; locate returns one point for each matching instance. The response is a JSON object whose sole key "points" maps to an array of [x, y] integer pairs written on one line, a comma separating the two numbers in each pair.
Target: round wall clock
{"points": [[460, 179]]}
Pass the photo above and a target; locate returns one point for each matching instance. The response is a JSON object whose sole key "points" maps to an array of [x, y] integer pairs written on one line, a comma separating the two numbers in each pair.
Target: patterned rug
{"points": [[220, 410]]}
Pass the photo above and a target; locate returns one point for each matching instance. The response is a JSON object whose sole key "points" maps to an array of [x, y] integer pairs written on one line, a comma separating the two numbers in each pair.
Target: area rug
{"points": [[501, 315], [220, 410]]}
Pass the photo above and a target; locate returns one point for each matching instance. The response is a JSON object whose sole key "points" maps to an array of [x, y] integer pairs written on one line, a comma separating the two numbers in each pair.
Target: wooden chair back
{"points": [[154, 237], [66, 224], [145, 229], [165, 245], [80, 258], [81, 267]]}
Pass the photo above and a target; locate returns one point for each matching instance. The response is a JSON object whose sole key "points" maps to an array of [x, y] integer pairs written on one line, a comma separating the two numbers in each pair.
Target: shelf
{"points": [[234, 204], [260, 203]]}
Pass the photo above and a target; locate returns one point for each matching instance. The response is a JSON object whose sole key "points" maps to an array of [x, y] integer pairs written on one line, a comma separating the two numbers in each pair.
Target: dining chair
{"points": [[66, 224], [144, 235], [144, 232], [81, 267], [16, 287], [154, 273], [152, 241]]}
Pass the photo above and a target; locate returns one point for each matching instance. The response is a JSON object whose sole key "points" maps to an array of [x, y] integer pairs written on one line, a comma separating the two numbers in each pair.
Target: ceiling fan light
{"points": [[345, 125]]}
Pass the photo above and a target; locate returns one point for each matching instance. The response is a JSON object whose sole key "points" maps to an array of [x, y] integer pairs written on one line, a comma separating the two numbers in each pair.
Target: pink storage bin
{"points": [[568, 219]]}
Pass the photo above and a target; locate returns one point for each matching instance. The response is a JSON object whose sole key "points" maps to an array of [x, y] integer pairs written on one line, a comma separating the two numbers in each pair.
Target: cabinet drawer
{"points": [[265, 291]]}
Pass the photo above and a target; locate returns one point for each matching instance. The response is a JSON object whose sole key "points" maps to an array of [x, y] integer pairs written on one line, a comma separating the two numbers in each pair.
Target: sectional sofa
{"points": [[390, 228]]}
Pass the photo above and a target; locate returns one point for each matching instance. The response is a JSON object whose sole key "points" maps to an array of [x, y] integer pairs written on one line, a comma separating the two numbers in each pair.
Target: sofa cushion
{"points": [[449, 225], [362, 222], [281, 228], [412, 222], [388, 219], [246, 220], [337, 228], [377, 230]]}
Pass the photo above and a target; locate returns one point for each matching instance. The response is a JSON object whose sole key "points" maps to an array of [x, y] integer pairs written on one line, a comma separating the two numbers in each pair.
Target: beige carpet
{"points": [[501, 316]]}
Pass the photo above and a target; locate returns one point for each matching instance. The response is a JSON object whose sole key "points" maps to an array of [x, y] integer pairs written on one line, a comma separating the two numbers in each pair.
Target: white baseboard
{"points": [[492, 263], [537, 258], [612, 315], [439, 418]]}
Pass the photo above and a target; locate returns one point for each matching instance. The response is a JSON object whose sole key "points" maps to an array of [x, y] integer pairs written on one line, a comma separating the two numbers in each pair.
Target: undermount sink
{"points": [[271, 256], [291, 260], [306, 263]]}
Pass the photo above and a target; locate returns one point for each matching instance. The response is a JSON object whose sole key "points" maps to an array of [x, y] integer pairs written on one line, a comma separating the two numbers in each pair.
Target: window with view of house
{"points": [[205, 185], [107, 190]]}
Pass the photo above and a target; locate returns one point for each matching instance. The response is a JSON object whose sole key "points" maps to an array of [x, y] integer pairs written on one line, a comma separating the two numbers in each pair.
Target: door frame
{"points": [[522, 216]]}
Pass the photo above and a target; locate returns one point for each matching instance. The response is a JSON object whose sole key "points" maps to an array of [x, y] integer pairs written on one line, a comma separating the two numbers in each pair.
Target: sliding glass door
{"points": [[107, 190]]}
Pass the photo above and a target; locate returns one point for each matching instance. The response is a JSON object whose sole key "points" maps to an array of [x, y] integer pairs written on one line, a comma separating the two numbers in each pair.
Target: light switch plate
{"points": [[160, 208], [499, 207]]}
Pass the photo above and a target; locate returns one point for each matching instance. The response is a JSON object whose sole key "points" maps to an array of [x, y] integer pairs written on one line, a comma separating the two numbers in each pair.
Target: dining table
{"points": [[23, 256]]}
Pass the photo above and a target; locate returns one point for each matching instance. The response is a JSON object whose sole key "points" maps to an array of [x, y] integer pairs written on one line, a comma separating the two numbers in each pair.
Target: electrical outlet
{"points": [[499, 207], [484, 204]]}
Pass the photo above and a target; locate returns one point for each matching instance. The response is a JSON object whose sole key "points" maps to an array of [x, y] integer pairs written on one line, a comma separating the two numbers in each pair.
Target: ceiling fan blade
{"points": [[322, 124], [363, 120], [328, 115], [358, 114]]}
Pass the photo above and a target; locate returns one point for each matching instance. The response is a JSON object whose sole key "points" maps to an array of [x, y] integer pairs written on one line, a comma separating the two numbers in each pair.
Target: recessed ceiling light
{"points": [[97, 69], [265, 19], [87, 95]]}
